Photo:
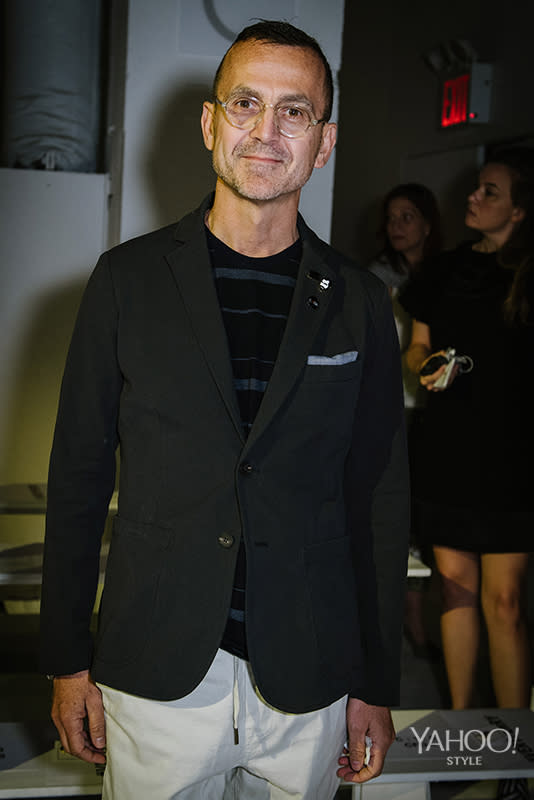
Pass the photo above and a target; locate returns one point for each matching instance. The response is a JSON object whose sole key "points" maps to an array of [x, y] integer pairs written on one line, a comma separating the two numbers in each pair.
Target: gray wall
{"points": [[389, 104]]}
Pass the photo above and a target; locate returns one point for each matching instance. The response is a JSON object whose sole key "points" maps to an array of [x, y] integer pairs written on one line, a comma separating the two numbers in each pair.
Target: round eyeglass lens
{"points": [[244, 112]]}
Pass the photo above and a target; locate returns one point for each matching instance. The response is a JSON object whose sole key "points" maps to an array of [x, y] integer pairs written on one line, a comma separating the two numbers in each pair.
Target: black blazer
{"points": [[318, 490]]}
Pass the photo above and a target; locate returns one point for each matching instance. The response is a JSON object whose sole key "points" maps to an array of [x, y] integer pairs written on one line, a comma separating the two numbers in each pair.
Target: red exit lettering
{"points": [[454, 103]]}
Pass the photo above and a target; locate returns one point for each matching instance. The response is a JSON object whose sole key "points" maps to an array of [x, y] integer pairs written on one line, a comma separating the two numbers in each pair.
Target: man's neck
{"points": [[253, 228]]}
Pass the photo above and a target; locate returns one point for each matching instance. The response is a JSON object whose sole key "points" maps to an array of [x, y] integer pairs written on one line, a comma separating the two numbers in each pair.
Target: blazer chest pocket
{"points": [[343, 366]]}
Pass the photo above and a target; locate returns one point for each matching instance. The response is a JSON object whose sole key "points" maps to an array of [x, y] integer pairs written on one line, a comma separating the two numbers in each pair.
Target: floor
{"points": [[25, 695]]}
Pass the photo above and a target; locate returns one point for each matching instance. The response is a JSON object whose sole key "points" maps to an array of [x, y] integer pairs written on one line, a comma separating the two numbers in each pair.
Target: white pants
{"points": [[185, 749]]}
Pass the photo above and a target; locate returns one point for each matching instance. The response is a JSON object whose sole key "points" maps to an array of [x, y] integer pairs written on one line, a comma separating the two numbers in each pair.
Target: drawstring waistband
{"points": [[236, 700]]}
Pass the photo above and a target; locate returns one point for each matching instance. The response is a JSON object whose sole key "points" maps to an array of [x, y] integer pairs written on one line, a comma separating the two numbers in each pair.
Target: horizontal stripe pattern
{"points": [[255, 297], [259, 311], [253, 274]]}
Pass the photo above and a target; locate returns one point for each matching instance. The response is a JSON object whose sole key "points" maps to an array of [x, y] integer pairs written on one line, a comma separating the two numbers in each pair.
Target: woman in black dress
{"points": [[474, 486]]}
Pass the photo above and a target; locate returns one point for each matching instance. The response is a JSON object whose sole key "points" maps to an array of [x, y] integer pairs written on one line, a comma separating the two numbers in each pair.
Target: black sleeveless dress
{"points": [[473, 478]]}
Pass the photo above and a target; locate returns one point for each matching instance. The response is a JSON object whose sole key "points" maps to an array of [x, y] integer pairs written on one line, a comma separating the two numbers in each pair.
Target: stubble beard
{"points": [[256, 181]]}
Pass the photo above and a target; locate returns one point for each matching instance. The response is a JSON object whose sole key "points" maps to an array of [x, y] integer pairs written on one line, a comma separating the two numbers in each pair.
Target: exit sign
{"points": [[466, 98], [455, 101]]}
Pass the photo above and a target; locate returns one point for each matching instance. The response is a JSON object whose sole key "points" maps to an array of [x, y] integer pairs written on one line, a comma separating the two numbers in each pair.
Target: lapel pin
{"points": [[324, 283]]}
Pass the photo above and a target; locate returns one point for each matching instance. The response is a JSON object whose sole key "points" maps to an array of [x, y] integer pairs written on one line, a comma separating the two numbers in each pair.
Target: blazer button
{"points": [[246, 469], [226, 540]]}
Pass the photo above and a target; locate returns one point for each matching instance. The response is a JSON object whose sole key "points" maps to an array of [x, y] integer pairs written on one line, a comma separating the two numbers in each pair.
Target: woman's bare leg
{"points": [[503, 604], [460, 620]]}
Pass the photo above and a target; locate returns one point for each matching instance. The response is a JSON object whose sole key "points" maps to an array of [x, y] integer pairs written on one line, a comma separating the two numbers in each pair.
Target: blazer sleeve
{"points": [[378, 508], [81, 479]]}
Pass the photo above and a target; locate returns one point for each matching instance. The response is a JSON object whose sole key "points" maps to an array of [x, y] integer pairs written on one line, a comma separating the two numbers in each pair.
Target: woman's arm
{"points": [[420, 346], [419, 352]]}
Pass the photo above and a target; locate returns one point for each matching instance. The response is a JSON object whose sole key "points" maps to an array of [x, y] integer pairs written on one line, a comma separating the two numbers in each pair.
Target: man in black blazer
{"points": [[250, 376]]}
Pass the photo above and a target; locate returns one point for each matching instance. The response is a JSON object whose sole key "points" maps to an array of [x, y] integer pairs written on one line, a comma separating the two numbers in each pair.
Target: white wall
{"points": [[53, 227], [174, 48]]}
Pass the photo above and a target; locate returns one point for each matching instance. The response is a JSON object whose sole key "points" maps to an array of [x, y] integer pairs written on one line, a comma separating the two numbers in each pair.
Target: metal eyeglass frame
{"points": [[256, 119]]}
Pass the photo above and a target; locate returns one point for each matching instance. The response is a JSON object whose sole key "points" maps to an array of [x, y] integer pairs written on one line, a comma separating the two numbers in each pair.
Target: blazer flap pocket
{"points": [[144, 531]]}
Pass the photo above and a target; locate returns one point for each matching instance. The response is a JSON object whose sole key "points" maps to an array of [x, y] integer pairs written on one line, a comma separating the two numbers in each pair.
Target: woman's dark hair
{"points": [[518, 251], [425, 202], [281, 32]]}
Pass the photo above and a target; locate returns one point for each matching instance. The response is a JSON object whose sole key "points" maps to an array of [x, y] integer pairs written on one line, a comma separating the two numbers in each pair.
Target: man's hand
{"points": [[78, 715], [365, 720]]}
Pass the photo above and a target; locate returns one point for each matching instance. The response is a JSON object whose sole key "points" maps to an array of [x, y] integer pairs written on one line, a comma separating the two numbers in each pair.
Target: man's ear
{"points": [[207, 122], [328, 141]]}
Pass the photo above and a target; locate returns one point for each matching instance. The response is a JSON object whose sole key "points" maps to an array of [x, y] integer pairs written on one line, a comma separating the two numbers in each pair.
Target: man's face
{"points": [[261, 164]]}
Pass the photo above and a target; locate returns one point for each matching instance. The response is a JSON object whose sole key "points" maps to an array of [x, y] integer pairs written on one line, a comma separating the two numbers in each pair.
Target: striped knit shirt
{"points": [[255, 296]]}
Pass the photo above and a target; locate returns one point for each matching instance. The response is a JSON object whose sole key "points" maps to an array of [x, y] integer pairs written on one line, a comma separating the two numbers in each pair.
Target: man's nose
{"points": [[266, 127]]}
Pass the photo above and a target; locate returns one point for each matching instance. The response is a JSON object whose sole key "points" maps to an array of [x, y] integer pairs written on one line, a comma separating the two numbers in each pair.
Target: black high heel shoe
{"points": [[513, 789]]}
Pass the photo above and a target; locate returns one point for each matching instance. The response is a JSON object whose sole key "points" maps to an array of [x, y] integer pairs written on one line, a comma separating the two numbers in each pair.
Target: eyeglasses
{"points": [[245, 113]]}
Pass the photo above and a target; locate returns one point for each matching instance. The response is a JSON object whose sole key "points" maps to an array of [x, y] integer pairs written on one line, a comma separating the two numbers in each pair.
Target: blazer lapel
{"points": [[190, 265], [311, 298]]}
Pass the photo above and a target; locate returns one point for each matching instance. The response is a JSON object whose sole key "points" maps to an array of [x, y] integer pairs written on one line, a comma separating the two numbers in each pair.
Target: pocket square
{"points": [[334, 361]]}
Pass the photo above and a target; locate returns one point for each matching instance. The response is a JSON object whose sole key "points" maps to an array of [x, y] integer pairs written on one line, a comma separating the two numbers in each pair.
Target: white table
{"points": [[42, 768]]}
